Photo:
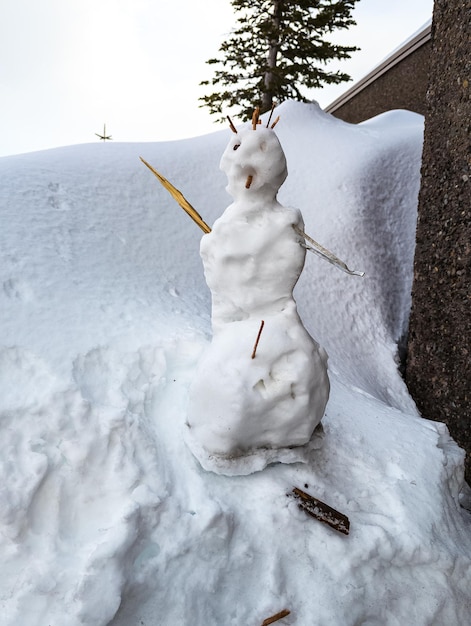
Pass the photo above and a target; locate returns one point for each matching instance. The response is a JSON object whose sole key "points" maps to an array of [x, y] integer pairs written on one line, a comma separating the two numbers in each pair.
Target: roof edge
{"points": [[411, 45]]}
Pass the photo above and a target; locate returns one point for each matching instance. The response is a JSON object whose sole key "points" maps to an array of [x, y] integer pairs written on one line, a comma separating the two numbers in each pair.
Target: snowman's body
{"points": [[252, 260]]}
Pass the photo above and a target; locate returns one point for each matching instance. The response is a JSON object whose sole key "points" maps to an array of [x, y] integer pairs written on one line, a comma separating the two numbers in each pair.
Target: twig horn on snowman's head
{"points": [[257, 112], [231, 125], [255, 116], [273, 105]]}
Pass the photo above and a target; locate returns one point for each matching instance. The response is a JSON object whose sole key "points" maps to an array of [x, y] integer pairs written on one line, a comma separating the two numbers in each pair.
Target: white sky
{"points": [[69, 66]]}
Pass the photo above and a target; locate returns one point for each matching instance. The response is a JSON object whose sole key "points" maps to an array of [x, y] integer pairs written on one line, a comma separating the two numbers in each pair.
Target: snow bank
{"points": [[105, 516]]}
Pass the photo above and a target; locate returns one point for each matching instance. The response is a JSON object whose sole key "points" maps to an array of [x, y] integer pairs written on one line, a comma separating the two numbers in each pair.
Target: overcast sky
{"points": [[69, 66]]}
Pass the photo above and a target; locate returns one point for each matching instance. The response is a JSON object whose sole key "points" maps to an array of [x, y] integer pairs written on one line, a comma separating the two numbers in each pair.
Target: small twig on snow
{"points": [[275, 618], [258, 339]]}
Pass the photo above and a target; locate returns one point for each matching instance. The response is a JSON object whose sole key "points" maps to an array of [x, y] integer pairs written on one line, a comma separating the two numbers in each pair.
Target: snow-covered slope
{"points": [[106, 517]]}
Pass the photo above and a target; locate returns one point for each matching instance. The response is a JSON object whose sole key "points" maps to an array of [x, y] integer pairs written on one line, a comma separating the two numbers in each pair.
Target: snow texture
{"points": [[106, 518]]}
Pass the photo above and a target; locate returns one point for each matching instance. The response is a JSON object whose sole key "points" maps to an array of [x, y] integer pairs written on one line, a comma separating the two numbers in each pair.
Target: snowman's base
{"points": [[253, 460]]}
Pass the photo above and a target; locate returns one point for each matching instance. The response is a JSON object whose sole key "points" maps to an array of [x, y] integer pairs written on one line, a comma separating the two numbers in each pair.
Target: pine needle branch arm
{"points": [[180, 198]]}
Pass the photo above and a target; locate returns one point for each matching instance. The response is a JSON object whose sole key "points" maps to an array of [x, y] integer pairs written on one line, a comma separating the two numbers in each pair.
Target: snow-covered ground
{"points": [[106, 517]]}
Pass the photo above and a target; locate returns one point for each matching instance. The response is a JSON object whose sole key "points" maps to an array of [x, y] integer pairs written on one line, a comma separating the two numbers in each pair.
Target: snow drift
{"points": [[106, 517]]}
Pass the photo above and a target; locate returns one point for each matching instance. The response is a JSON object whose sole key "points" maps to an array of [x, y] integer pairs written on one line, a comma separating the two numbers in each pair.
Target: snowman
{"points": [[261, 387]]}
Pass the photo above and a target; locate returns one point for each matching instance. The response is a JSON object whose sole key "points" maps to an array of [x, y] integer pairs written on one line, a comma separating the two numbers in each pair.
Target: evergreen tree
{"points": [[277, 46]]}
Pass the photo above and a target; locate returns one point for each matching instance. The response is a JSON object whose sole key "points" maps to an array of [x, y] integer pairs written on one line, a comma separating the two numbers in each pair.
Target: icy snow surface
{"points": [[105, 515]]}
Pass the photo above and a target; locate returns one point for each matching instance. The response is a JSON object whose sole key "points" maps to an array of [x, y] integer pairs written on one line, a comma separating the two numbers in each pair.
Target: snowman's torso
{"points": [[252, 260]]}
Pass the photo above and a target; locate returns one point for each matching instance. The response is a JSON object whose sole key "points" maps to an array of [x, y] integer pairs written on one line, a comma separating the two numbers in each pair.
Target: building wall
{"points": [[399, 82], [404, 86], [438, 370]]}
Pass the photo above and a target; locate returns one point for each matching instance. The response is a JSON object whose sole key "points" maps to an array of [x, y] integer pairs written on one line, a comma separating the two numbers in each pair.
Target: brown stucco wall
{"points": [[404, 86], [438, 370]]}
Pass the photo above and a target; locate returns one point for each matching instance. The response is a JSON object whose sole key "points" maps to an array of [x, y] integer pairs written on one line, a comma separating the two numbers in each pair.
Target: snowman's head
{"points": [[254, 163]]}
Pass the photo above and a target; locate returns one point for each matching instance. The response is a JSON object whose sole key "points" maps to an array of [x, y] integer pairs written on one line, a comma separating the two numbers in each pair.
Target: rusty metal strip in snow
{"points": [[322, 512]]}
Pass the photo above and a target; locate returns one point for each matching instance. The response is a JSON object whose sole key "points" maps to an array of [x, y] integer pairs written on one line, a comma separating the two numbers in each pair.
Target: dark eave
{"points": [[396, 57]]}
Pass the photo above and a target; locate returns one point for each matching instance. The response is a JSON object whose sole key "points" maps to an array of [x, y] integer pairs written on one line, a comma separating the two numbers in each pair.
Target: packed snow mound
{"points": [[105, 515]]}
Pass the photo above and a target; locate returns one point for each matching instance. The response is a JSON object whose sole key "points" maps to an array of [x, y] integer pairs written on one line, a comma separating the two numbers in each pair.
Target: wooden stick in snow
{"points": [[258, 339], [275, 618], [322, 512]]}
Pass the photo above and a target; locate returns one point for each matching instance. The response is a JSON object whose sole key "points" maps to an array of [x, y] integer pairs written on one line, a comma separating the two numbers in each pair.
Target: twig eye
{"points": [[237, 145]]}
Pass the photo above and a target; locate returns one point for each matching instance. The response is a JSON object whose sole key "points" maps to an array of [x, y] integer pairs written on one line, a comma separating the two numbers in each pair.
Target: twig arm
{"points": [[180, 198], [324, 253]]}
